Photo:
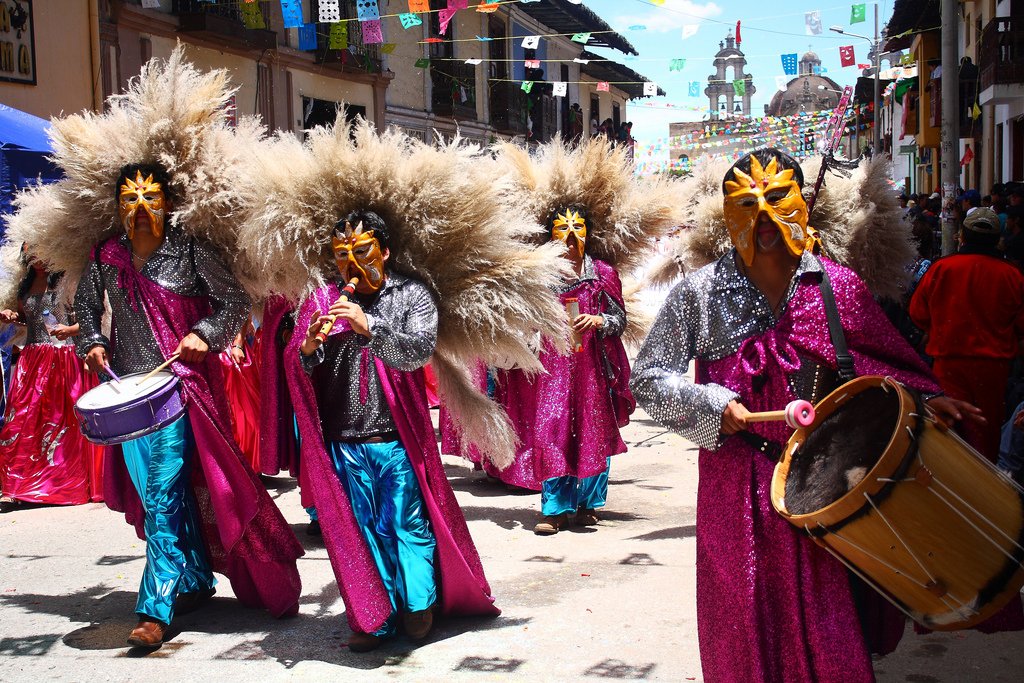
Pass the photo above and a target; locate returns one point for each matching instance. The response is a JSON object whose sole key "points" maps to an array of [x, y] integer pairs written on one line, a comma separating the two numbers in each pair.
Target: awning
{"points": [[24, 147], [565, 17]]}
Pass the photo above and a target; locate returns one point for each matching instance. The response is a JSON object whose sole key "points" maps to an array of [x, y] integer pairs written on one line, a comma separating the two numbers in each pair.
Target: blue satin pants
{"points": [[160, 465], [569, 494], [388, 507]]}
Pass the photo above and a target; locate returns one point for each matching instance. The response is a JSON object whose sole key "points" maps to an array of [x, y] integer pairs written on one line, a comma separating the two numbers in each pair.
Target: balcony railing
{"points": [[220, 20], [454, 90], [1001, 52], [508, 108], [357, 57]]}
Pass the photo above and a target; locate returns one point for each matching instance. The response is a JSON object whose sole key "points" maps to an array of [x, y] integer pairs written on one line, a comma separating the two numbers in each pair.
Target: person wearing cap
{"points": [[971, 305], [970, 199]]}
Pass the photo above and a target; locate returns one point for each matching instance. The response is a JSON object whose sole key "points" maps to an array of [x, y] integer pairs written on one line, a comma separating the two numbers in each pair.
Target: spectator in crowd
{"points": [[986, 201], [1014, 240], [969, 200], [971, 305], [595, 129]]}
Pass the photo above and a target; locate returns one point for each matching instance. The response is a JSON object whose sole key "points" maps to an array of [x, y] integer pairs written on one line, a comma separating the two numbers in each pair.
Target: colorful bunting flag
{"points": [[858, 13], [846, 56], [409, 20], [968, 156], [487, 6], [789, 64], [580, 61], [291, 12], [603, 86], [583, 38], [863, 66], [419, 5], [474, 61], [252, 16], [812, 22], [739, 86], [367, 10], [694, 89], [690, 30], [677, 65], [330, 12], [975, 111], [337, 39], [531, 42], [637, 27], [422, 63], [527, 86], [388, 48], [650, 89], [780, 82], [373, 34], [532, 63], [307, 37], [444, 17], [738, 38], [560, 88]]}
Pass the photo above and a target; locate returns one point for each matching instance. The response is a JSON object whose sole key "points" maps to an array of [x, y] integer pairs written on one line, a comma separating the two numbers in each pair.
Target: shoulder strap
{"points": [[835, 328]]}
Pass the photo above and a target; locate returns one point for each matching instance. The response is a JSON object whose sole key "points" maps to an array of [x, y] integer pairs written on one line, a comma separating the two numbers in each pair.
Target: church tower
{"points": [[729, 65]]}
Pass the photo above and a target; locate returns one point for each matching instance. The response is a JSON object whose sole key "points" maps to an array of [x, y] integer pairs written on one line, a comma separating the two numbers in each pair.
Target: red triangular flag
{"points": [[738, 39], [846, 56], [967, 157]]}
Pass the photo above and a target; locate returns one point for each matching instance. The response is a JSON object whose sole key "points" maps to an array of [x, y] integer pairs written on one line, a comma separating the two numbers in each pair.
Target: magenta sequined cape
{"points": [[568, 417], [771, 605], [462, 585], [246, 536]]}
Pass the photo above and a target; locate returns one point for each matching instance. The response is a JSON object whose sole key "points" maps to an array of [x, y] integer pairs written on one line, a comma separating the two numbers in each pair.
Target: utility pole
{"points": [[950, 121], [877, 127]]}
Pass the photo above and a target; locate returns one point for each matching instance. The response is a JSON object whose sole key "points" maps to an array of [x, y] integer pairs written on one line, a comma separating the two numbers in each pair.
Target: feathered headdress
{"points": [[173, 115], [626, 214], [857, 216], [446, 228]]}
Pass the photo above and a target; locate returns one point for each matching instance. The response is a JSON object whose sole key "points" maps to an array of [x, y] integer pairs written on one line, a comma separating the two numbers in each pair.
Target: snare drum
{"points": [[115, 412], [927, 521]]}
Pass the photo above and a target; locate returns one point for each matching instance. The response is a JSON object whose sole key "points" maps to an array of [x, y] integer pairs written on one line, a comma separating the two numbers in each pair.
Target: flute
{"points": [[348, 291]]}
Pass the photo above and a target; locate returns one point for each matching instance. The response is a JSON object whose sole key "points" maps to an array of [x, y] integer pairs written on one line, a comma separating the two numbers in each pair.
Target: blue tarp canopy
{"points": [[23, 150]]}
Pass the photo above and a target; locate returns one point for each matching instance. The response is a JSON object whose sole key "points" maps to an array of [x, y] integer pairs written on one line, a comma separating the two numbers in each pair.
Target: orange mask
{"points": [[772, 192], [142, 193], [358, 254], [570, 223]]}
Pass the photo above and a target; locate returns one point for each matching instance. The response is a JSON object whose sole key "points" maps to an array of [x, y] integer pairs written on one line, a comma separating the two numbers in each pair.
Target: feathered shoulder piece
{"points": [[172, 114], [626, 214], [447, 228], [857, 216]]}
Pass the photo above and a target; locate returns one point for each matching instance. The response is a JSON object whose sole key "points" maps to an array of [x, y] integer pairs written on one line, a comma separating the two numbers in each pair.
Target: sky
{"points": [[768, 29]]}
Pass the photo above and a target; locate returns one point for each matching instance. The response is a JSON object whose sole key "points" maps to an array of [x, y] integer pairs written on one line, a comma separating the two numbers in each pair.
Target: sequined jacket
{"points": [[721, 320], [33, 307], [402, 318], [181, 264]]}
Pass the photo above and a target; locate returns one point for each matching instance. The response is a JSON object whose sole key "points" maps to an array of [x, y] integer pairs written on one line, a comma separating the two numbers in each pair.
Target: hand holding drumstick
{"points": [[736, 418]]}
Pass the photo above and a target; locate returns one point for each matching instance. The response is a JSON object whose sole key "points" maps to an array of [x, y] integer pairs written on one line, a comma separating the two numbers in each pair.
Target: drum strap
{"points": [[835, 329], [769, 448]]}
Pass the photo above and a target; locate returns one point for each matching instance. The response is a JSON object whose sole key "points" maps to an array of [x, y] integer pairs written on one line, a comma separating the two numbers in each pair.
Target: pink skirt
{"points": [[43, 456], [242, 385]]}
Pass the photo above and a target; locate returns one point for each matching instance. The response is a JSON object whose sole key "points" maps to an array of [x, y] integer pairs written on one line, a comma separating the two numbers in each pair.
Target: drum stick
{"points": [[115, 380], [348, 291], [162, 366], [797, 414]]}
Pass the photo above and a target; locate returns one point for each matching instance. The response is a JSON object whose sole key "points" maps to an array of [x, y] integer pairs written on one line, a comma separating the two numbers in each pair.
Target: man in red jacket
{"points": [[971, 304]]}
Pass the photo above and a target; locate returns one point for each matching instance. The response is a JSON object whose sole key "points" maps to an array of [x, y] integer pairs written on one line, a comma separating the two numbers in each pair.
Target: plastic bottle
{"points": [[49, 320]]}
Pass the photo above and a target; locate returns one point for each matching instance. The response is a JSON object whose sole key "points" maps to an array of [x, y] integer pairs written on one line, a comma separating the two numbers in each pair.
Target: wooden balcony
{"points": [[1001, 52], [508, 108], [454, 90]]}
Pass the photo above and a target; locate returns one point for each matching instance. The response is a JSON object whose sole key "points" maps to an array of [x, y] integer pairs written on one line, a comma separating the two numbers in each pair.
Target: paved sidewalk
{"points": [[614, 602]]}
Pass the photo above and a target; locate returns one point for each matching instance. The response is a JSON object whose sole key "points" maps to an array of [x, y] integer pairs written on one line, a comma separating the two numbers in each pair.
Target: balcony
{"points": [[222, 21], [1001, 56], [454, 90], [508, 108], [969, 127], [358, 57]]}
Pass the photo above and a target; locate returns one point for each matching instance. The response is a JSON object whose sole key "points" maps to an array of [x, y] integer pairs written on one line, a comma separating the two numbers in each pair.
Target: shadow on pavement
{"points": [[320, 636], [688, 531]]}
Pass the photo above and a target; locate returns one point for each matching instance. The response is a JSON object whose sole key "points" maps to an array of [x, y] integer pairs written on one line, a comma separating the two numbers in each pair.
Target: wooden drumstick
{"points": [[162, 366], [797, 414], [348, 291]]}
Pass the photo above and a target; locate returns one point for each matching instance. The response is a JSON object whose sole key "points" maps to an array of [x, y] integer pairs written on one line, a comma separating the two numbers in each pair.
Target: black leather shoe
{"points": [[190, 602]]}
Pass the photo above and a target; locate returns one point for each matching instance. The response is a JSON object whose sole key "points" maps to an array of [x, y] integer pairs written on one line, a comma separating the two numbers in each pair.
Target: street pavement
{"points": [[615, 602]]}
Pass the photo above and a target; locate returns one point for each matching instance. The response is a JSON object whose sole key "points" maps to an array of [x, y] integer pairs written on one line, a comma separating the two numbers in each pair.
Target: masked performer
{"points": [[393, 215], [568, 417], [755, 323], [43, 456], [143, 244]]}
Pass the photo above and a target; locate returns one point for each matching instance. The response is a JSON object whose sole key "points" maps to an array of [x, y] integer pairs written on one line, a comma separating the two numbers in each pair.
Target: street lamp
{"points": [[877, 52]]}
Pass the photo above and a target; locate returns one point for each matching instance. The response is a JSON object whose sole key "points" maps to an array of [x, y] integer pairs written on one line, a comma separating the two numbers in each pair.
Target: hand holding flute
{"points": [[321, 324]]}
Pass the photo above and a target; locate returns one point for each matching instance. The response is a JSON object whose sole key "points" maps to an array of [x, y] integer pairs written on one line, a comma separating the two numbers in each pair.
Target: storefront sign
{"points": [[17, 42]]}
